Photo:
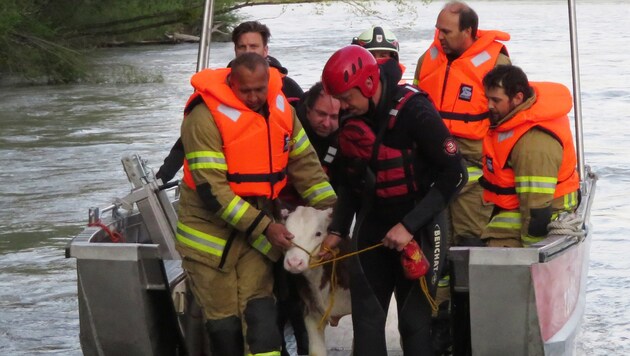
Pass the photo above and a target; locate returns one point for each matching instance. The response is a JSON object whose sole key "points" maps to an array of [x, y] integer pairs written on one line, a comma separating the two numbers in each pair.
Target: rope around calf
{"points": [[333, 278]]}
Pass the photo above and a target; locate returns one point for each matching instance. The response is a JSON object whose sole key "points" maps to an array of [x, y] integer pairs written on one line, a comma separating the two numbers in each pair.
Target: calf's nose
{"points": [[295, 263]]}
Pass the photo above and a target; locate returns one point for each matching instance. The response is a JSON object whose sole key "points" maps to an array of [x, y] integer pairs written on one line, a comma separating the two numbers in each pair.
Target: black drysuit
{"points": [[377, 273]]}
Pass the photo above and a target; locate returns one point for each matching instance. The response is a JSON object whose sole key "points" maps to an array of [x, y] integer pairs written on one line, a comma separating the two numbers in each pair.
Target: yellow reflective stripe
{"points": [[200, 240], [318, 192], [570, 201], [474, 173], [235, 210], [444, 281], [262, 244], [270, 353], [301, 143], [506, 220], [536, 184], [530, 240], [206, 159]]}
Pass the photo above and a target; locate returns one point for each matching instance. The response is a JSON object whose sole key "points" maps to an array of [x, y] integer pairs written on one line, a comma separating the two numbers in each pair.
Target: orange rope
{"points": [[320, 262], [333, 279], [113, 235], [331, 293], [425, 290]]}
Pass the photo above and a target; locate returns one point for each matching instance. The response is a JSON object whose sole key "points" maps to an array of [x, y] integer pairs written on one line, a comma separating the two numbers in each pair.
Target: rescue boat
{"points": [[133, 298]]}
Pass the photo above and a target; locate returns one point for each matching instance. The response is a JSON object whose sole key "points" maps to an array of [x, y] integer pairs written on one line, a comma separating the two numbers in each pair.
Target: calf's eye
{"points": [[318, 233]]}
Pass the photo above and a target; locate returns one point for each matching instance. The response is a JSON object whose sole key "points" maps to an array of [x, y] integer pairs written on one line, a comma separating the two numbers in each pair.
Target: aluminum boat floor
{"points": [[339, 338]]}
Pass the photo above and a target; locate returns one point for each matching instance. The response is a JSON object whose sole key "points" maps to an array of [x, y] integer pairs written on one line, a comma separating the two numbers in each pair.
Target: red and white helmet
{"points": [[351, 67]]}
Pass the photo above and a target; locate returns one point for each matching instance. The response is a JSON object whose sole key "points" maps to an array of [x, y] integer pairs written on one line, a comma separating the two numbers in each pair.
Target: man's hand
{"points": [[328, 245], [279, 236], [397, 237]]}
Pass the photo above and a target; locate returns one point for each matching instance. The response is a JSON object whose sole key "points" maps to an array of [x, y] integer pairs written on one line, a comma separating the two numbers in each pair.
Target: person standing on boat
{"points": [[401, 168], [382, 43], [529, 170], [242, 142], [451, 71], [249, 36], [319, 114], [253, 36]]}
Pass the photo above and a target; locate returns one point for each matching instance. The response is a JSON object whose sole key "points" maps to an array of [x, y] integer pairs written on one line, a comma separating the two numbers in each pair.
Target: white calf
{"points": [[309, 226]]}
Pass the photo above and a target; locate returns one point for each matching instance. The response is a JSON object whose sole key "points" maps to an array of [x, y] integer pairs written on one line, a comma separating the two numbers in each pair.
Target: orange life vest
{"points": [[549, 113], [256, 149], [456, 87]]}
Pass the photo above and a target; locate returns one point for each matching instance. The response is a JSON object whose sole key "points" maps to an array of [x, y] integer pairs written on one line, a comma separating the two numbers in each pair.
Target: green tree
{"points": [[50, 40]]}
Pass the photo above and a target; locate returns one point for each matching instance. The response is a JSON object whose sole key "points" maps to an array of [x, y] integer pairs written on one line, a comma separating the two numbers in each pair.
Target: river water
{"points": [[60, 146]]}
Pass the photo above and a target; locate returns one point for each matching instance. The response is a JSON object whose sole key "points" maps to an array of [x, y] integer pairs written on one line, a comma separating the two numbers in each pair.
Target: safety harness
{"points": [[392, 169]]}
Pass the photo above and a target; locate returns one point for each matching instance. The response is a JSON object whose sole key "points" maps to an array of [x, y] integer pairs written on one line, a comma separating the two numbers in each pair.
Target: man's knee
{"points": [[262, 333]]}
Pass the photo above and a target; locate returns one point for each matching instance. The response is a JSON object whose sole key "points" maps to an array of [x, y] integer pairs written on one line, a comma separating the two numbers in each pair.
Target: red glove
{"points": [[414, 263]]}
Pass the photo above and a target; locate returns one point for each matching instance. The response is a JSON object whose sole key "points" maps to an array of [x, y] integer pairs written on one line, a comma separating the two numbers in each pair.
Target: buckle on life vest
{"points": [[272, 178]]}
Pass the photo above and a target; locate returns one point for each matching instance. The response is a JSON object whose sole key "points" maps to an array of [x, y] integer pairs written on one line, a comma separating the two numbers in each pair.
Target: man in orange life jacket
{"points": [[249, 36], [529, 159], [242, 142], [401, 167], [451, 71]]}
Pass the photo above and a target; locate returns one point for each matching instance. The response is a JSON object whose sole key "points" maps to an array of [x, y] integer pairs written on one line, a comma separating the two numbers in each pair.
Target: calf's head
{"points": [[309, 226]]}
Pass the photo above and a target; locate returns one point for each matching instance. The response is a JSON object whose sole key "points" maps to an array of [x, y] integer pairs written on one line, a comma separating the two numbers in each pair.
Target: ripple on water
{"points": [[38, 303]]}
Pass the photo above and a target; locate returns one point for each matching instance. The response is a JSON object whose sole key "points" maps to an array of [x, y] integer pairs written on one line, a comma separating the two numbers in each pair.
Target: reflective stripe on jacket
{"points": [[455, 87], [548, 113], [256, 149]]}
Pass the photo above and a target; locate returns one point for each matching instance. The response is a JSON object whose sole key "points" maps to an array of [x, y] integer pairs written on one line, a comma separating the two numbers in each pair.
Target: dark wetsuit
{"points": [[290, 307], [326, 148], [440, 174], [175, 159]]}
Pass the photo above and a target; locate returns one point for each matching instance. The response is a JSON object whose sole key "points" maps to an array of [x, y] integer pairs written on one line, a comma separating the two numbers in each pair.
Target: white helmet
{"points": [[378, 39]]}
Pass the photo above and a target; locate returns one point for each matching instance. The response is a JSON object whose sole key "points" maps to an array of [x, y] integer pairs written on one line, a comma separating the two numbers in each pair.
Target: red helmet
{"points": [[350, 67]]}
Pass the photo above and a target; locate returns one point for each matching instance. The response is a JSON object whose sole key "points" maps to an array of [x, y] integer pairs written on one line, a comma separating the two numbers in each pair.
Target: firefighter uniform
{"points": [[454, 86], [237, 161], [529, 168]]}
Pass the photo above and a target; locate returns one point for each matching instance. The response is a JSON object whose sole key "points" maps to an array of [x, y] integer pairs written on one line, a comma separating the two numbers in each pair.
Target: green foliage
{"points": [[29, 47], [49, 40]]}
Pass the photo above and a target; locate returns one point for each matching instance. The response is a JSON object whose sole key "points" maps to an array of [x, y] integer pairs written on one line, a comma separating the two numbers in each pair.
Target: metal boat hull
{"points": [[132, 300]]}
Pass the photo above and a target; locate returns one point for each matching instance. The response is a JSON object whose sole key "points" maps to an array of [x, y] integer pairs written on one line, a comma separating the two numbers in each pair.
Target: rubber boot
{"points": [[226, 336], [263, 335]]}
